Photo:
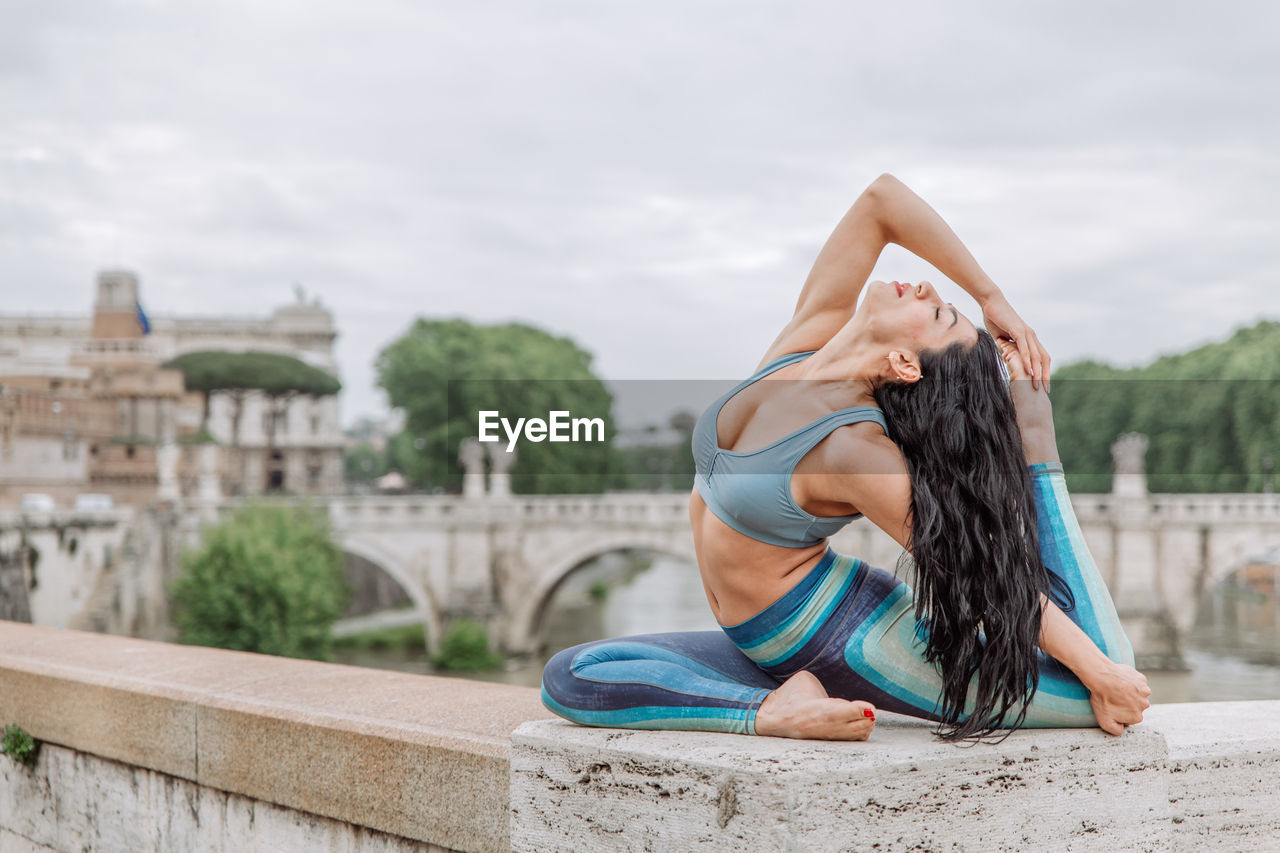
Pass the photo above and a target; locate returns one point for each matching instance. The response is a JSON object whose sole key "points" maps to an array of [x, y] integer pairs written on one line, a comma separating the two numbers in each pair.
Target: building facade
{"points": [[85, 405]]}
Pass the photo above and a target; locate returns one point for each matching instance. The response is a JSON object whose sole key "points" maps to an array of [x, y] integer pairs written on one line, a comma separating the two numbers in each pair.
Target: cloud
{"points": [[652, 180]]}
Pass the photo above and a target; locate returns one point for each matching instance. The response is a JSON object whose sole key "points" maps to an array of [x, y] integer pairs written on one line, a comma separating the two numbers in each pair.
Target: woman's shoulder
{"points": [[860, 448]]}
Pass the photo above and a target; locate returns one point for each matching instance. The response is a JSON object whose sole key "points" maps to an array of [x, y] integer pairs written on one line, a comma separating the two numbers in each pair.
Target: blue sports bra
{"points": [[751, 492]]}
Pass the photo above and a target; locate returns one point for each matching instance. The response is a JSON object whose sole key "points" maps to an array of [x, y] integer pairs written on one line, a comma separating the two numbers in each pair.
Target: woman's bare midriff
{"points": [[742, 576]]}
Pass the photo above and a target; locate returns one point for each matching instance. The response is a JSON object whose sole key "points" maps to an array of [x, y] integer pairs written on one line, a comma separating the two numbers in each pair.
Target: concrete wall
{"points": [[73, 801], [422, 759]]}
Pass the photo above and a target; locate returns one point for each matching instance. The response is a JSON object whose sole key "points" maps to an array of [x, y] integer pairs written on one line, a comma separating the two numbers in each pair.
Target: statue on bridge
{"points": [[471, 458], [1128, 454], [500, 462], [471, 455]]}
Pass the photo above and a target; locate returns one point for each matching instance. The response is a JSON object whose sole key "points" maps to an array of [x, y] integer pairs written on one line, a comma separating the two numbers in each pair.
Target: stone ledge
{"points": [[71, 802], [416, 756], [1196, 776]]}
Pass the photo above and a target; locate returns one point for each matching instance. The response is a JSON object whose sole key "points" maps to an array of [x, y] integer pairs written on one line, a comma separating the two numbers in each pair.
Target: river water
{"points": [[634, 596]]}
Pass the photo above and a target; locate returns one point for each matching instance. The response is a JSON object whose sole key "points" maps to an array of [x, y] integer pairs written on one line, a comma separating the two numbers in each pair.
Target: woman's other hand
{"points": [[1002, 321], [1119, 695]]}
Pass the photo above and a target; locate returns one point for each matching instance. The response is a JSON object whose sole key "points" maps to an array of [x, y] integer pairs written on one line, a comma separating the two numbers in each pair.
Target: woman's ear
{"points": [[903, 367]]}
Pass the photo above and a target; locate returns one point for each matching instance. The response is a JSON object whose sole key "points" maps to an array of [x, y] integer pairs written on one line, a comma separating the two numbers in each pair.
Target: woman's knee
{"points": [[563, 678], [559, 683]]}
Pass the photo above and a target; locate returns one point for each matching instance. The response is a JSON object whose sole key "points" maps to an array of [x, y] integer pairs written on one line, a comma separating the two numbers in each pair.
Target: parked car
{"points": [[94, 503], [37, 502]]}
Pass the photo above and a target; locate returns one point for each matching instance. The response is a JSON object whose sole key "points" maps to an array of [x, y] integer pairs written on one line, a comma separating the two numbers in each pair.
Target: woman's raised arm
{"points": [[830, 292], [889, 212]]}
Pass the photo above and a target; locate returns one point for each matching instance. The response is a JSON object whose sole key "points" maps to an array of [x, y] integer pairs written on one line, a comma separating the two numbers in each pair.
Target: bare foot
{"points": [[801, 708], [1034, 412]]}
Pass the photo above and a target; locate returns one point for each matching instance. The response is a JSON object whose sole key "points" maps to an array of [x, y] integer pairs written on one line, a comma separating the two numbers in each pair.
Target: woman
{"points": [[900, 412]]}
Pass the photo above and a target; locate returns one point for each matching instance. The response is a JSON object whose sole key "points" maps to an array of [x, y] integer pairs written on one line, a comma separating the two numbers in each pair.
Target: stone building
{"points": [[85, 405]]}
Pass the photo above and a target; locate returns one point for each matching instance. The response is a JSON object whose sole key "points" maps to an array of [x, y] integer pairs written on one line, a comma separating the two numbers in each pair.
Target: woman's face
{"points": [[913, 317]]}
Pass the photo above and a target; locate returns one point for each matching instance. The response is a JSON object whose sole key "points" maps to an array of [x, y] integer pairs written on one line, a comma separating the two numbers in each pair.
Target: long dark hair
{"points": [[973, 535]]}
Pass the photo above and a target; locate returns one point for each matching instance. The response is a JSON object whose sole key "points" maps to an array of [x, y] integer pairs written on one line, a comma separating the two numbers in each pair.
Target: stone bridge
{"points": [[503, 560], [500, 558]]}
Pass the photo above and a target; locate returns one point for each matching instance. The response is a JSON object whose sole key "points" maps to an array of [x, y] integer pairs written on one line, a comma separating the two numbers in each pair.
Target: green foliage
{"points": [[654, 467], [682, 467], [1212, 415], [444, 372], [362, 464], [267, 580], [465, 647], [379, 639], [19, 745], [407, 454], [202, 437], [1090, 409], [599, 590], [272, 373]]}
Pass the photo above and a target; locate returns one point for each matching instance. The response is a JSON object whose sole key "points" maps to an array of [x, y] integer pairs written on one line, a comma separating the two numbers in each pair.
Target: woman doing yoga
{"points": [[898, 411]]}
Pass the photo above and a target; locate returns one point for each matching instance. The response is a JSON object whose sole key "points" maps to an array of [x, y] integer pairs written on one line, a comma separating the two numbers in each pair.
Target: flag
{"points": [[143, 322]]}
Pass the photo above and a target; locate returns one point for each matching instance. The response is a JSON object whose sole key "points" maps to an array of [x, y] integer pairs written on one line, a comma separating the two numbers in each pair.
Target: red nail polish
{"points": [[867, 712]]}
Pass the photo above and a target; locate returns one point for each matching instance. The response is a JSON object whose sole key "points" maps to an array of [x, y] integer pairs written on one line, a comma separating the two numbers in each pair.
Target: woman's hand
{"points": [[1002, 321], [1118, 695]]}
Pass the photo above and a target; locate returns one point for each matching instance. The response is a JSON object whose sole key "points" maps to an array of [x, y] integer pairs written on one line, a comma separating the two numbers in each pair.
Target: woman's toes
{"points": [[864, 718]]}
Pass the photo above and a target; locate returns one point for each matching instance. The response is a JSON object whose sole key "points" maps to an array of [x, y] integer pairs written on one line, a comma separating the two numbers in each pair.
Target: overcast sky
{"points": [[652, 179]]}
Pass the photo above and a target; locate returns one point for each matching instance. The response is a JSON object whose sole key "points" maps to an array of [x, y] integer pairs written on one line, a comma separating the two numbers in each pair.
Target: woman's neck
{"points": [[847, 364]]}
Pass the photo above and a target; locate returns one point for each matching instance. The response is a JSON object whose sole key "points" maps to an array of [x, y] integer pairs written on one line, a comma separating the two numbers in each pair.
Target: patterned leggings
{"points": [[850, 624]]}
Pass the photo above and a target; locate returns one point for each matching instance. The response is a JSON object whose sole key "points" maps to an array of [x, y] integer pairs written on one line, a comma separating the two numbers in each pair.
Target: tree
{"points": [[682, 467], [279, 377], [1212, 415], [267, 580], [465, 648], [665, 462], [1091, 408], [443, 373], [362, 464]]}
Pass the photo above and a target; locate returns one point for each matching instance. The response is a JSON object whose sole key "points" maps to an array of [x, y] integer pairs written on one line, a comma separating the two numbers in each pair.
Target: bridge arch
{"points": [[424, 603], [526, 626], [1240, 551]]}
